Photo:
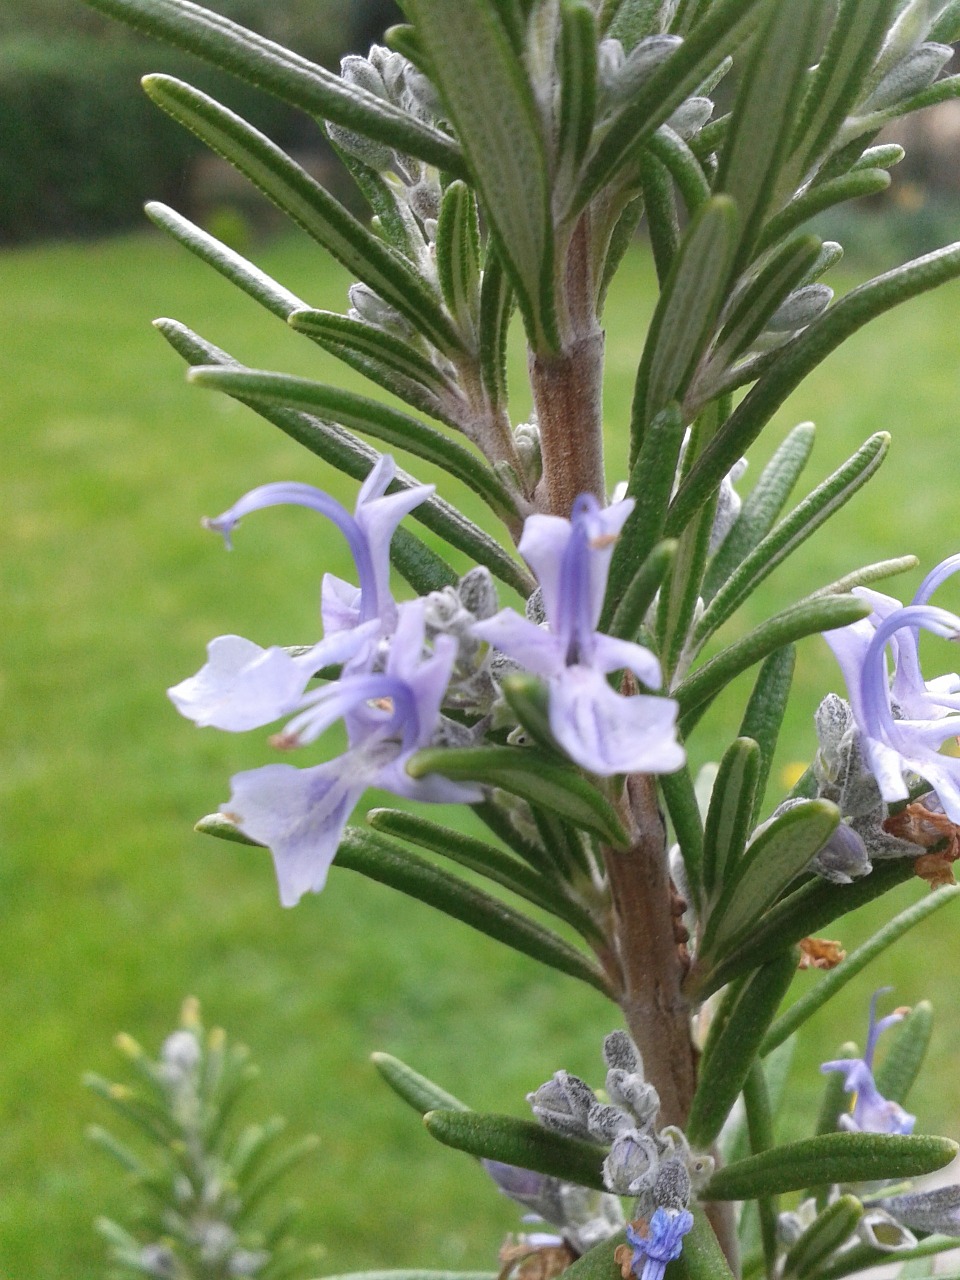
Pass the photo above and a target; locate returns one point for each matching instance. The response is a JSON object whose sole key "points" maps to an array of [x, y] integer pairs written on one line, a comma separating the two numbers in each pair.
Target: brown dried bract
{"points": [[936, 868], [820, 953], [927, 828], [623, 1254], [522, 1261]]}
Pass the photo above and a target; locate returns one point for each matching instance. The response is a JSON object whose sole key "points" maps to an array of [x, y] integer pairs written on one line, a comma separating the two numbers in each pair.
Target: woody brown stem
{"points": [[651, 961]]}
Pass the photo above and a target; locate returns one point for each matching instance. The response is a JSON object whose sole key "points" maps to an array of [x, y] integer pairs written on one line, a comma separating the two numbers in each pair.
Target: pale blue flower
{"points": [[300, 814], [662, 1243], [243, 686], [904, 720], [598, 728], [872, 1113]]}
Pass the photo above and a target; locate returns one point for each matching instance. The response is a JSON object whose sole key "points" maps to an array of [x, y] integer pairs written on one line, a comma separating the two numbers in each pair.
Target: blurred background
{"points": [[111, 909]]}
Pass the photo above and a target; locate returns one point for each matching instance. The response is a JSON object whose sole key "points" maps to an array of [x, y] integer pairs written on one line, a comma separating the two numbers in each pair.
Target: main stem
{"points": [[651, 966], [568, 390]]}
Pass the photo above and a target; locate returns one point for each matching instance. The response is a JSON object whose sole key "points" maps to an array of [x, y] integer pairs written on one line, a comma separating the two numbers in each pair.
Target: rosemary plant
{"points": [[553, 679]]}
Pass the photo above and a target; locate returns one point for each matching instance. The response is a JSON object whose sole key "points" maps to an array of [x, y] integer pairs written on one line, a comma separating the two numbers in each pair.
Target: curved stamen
{"points": [[295, 494], [324, 707], [874, 689]]}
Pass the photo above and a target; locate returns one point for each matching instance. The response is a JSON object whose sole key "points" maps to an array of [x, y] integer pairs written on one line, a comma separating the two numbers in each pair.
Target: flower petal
{"points": [[609, 734], [300, 815]]}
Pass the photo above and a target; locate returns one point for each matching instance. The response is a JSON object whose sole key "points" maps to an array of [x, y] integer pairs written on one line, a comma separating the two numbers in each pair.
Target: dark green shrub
{"points": [[81, 148]]}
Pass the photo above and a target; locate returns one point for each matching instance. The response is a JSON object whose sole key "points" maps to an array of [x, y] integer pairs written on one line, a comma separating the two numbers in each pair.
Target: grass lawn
{"points": [[112, 910]]}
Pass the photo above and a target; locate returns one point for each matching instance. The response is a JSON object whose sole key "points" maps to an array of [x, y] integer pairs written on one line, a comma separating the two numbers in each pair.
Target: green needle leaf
{"points": [[824, 1236], [807, 617], [778, 853], [791, 532], [491, 105], [380, 859], [484, 859], [732, 1049], [358, 413], [765, 711], [904, 1057], [835, 979], [764, 112], [285, 74], [254, 282], [422, 1094], [304, 200], [830, 1157], [458, 256], [701, 1259], [559, 789], [796, 360], [686, 312], [725, 26], [578, 81], [343, 450], [521, 1143], [730, 815]]}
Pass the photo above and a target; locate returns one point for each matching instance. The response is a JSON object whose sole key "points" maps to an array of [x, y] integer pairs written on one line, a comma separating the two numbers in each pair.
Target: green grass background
{"points": [[111, 909]]}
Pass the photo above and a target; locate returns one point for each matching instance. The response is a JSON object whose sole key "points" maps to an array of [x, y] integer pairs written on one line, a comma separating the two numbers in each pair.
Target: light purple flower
{"points": [[662, 1243], [300, 814], [242, 686], [872, 1113], [598, 728], [904, 720]]}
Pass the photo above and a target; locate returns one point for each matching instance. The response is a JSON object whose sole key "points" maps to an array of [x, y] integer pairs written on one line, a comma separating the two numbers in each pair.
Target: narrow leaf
{"points": [[730, 815], [807, 617], [765, 711], [801, 356], [344, 451], [851, 186], [285, 74], [761, 508], [578, 81], [904, 1057], [304, 200], [496, 305], [867, 574], [861, 1256], [383, 358], [774, 858], [837, 978], [803, 912], [825, 1235], [853, 43], [686, 312], [422, 1094], [650, 484], [390, 864], [831, 1157], [757, 299], [558, 789], [660, 210], [681, 802], [819, 505], [764, 112], [702, 1258], [757, 1106], [254, 282], [730, 1052], [683, 166], [726, 25], [491, 105], [458, 256], [482, 858], [519, 1142], [529, 699], [359, 413], [639, 595]]}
